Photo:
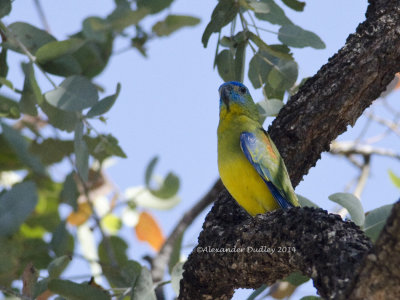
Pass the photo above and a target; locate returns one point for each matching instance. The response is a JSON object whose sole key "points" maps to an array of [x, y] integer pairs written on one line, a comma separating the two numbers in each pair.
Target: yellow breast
{"points": [[238, 175]]}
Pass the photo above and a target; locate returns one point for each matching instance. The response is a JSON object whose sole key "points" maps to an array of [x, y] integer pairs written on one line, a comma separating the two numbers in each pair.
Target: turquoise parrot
{"points": [[249, 163]]}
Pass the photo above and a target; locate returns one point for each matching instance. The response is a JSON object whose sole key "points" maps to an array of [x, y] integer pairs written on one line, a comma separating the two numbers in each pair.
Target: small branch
{"points": [[42, 16], [362, 179], [161, 261], [350, 148]]}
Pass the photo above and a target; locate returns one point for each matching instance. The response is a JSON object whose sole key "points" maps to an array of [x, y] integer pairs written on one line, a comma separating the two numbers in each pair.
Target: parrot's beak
{"points": [[224, 92]]}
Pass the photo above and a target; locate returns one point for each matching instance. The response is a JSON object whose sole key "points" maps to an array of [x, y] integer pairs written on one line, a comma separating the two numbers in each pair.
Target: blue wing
{"points": [[256, 151]]}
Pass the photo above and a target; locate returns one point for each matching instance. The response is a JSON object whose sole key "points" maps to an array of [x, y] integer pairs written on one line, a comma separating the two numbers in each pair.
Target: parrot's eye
{"points": [[242, 90]]}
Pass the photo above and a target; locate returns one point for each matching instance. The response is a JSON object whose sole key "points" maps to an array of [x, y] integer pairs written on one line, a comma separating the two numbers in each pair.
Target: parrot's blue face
{"points": [[234, 92]]}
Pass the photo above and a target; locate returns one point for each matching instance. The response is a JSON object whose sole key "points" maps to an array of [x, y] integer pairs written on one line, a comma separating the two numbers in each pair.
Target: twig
{"points": [[42, 16], [162, 259], [349, 148]]}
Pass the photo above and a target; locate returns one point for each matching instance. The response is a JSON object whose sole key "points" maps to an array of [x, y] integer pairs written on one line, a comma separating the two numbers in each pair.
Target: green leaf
{"points": [[259, 6], [173, 23], [5, 7], [61, 119], [51, 151], [40, 287], [275, 15], [20, 146], [268, 108], [62, 242], [226, 65], [295, 36], [168, 188], [222, 15], [6, 82], [176, 276], [65, 66], [9, 108], [296, 278], [394, 178], [283, 76], [3, 62], [176, 253], [294, 4], [104, 105], [10, 264], [58, 265], [352, 204], [120, 19], [306, 202], [310, 298], [75, 291], [104, 146], [240, 57], [119, 247], [69, 193], [279, 51], [81, 153], [150, 170], [95, 29], [154, 6], [57, 49], [375, 220], [31, 94], [31, 37], [144, 289], [16, 205], [74, 94]]}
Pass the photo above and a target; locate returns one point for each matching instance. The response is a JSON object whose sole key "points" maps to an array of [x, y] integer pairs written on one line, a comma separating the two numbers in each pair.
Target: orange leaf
{"points": [[80, 216], [398, 81], [147, 230]]}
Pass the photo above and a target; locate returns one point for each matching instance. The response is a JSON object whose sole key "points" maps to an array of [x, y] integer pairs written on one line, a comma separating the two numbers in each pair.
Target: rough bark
{"points": [[379, 277], [322, 109], [320, 245]]}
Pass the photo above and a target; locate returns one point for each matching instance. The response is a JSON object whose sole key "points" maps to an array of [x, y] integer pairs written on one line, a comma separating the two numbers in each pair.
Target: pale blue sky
{"points": [[168, 104]]}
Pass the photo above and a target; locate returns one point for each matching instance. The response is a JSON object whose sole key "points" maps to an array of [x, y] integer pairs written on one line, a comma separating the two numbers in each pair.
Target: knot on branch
{"points": [[237, 251]]}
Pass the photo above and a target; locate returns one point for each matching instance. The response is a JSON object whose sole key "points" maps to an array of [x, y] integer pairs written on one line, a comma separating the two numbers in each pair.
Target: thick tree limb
{"points": [[341, 90], [379, 277], [322, 109]]}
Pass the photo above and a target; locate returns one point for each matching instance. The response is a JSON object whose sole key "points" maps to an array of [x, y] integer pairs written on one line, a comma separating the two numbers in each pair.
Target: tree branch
{"points": [[322, 109], [320, 245]]}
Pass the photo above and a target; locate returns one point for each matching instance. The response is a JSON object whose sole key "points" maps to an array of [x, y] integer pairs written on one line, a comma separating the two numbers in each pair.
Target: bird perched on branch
{"points": [[249, 163]]}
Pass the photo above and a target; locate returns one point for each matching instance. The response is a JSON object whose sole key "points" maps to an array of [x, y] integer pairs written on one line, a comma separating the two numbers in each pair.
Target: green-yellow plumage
{"points": [[249, 164]]}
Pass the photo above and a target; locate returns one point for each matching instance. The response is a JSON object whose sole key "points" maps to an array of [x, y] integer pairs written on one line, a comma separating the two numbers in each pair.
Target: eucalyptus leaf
{"points": [[275, 15], [75, 291], [306, 202], [154, 6], [16, 205], [222, 15], [57, 49], [226, 65], [295, 4], [74, 94], [30, 36], [31, 94], [295, 36], [352, 204], [5, 7], [81, 153], [176, 276], [150, 170], [144, 289], [9, 108], [58, 265], [104, 105], [375, 220], [20, 146], [173, 23]]}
